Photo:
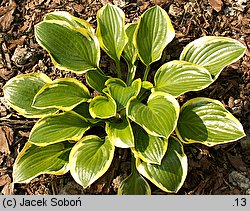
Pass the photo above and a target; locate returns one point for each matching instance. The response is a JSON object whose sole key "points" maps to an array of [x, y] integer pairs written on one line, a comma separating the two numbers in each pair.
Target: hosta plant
{"points": [[78, 131]]}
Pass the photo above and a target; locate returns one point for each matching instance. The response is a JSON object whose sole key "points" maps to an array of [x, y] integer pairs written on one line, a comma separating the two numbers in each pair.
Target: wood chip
{"points": [[236, 162], [216, 4], [6, 17], [231, 102], [4, 180], [5, 73], [6, 139], [8, 189], [78, 7]]}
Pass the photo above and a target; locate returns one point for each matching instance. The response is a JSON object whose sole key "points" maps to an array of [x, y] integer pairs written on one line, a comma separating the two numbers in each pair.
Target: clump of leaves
{"points": [[128, 112]]}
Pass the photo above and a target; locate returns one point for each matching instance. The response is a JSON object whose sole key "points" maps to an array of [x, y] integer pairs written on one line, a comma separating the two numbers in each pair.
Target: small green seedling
{"points": [[127, 112]]}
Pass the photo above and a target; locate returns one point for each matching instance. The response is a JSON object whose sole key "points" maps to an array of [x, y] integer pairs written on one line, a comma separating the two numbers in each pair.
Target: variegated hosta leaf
{"points": [[35, 160], [59, 127], [153, 33], [178, 77], [111, 30], [171, 174], [158, 117], [130, 53], [120, 132], [90, 158], [72, 49], [72, 20], [147, 85], [102, 107], [134, 184], [150, 149], [206, 121], [21, 90], [83, 110], [213, 53], [96, 80], [63, 93], [121, 93]]}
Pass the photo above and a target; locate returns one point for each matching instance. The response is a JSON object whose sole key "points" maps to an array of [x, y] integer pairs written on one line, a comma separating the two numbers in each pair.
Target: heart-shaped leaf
{"points": [[213, 53], [21, 90], [58, 127], [72, 20], [63, 93], [171, 174], [150, 149], [120, 132], [96, 80], [206, 121], [111, 30], [90, 158], [73, 49], [121, 93], [153, 33], [34, 160], [134, 184], [178, 77], [102, 107], [158, 117]]}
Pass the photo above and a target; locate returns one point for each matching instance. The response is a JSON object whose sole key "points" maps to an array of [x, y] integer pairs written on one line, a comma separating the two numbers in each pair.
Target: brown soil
{"points": [[221, 169]]}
